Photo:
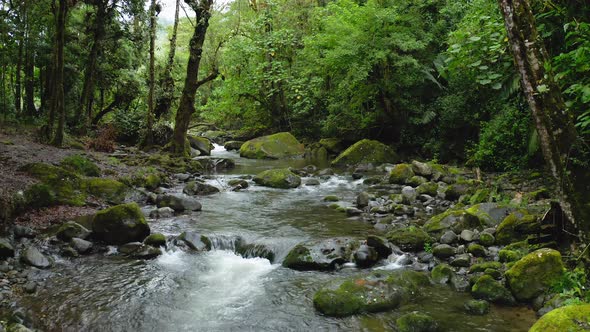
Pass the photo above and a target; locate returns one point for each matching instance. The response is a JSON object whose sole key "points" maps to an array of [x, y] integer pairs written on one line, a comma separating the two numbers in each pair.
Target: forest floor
{"points": [[21, 147]]}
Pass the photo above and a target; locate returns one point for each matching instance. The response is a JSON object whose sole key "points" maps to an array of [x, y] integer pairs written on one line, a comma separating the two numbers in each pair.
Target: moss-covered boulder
{"points": [[416, 322], [478, 216], [201, 144], [40, 195], [376, 292], [410, 238], [80, 165], [277, 146], [516, 227], [477, 307], [476, 250], [278, 178], [428, 188], [569, 318], [442, 274], [69, 230], [334, 146], [535, 273], [481, 267], [233, 145], [324, 255], [401, 174], [365, 151], [120, 224], [198, 188], [155, 240], [65, 186], [486, 288], [110, 190], [178, 202]]}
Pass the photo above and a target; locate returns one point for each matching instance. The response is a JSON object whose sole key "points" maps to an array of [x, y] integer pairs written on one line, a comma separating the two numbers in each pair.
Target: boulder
{"points": [[120, 224], [334, 146], [238, 184], [477, 307], [324, 255], [449, 237], [277, 146], [410, 238], [178, 202], [375, 292], [155, 240], [33, 257], [442, 274], [408, 195], [278, 178], [429, 188], [443, 251], [516, 227], [198, 188], [416, 322], [364, 152], [233, 145], [486, 239], [70, 229], [534, 274], [380, 244], [422, 169], [23, 232], [139, 250], [476, 250], [201, 144], [365, 256], [110, 190], [362, 200], [81, 246], [462, 260], [6, 249], [195, 241], [163, 212], [401, 174], [486, 288], [568, 318]]}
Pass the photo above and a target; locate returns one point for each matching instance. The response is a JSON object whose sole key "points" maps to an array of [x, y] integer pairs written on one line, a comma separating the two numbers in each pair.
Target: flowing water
{"points": [[221, 291]]}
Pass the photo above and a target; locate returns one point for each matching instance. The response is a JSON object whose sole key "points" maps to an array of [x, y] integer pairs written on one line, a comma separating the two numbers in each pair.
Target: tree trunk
{"points": [[30, 109], [149, 137], [164, 101], [58, 98], [186, 108], [17, 83], [554, 124]]}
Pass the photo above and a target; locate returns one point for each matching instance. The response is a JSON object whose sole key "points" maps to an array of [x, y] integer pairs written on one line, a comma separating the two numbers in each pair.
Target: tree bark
{"points": [[149, 137], [164, 100], [554, 124], [17, 79], [186, 107], [58, 98]]}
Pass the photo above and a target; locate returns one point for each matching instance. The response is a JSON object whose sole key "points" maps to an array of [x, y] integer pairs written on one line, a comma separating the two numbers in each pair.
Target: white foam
{"points": [[393, 263]]}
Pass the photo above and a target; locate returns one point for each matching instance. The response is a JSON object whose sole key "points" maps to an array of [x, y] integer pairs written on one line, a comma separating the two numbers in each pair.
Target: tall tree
{"points": [[555, 126], [154, 10], [186, 108], [164, 100]]}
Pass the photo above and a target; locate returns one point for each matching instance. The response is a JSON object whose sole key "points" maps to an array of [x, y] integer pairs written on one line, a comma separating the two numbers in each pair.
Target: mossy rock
{"points": [[331, 198], [476, 250], [516, 227], [571, 318], [65, 186], [277, 146], [6, 248], [156, 240], [278, 178], [376, 292], [477, 307], [324, 255], [416, 322], [442, 274], [428, 188], [410, 238], [69, 230], [401, 174], [480, 196], [120, 224], [110, 190], [486, 288], [535, 273], [80, 165], [481, 267], [332, 145], [201, 144], [40, 195], [456, 220], [507, 256], [364, 152]]}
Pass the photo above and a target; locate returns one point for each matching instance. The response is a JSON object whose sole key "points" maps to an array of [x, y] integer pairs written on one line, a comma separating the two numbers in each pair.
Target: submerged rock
{"points": [[410, 238], [416, 322], [534, 274], [364, 152], [322, 255], [197, 188], [178, 202], [33, 257], [70, 230], [568, 318], [120, 224], [477, 307], [139, 250], [376, 292], [277, 146], [195, 241], [278, 178]]}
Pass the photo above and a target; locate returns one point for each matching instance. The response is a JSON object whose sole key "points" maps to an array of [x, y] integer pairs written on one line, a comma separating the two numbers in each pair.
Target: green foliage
{"points": [[81, 165], [573, 285], [428, 247]]}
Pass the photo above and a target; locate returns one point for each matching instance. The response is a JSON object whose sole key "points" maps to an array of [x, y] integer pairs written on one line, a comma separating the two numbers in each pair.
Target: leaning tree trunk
{"points": [[554, 124], [149, 135], [58, 99], [164, 100], [186, 108]]}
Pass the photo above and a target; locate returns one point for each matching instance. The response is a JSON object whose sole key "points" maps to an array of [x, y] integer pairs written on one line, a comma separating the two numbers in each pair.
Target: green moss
{"points": [[409, 238], [486, 288], [277, 146], [278, 178], [65, 185], [532, 275], [428, 188], [120, 224], [39, 195], [401, 174], [442, 221], [331, 198], [477, 307], [110, 190], [486, 239], [156, 240], [80, 165], [480, 196], [152, 181], [484, 266], [536, 195], [365, 151], [333, 145], [571, 318], [298, 258], [509, 255], [416, 322], [515, 227], [442, 274], [476, 250]]}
